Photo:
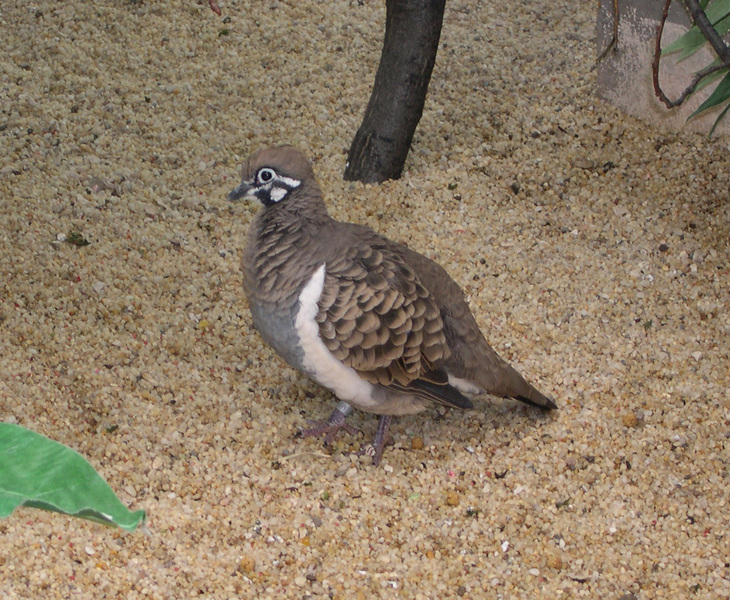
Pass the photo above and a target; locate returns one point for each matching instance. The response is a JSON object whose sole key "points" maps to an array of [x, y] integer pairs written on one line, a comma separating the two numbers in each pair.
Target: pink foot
{"points": [[376, 448], [332, 425]]}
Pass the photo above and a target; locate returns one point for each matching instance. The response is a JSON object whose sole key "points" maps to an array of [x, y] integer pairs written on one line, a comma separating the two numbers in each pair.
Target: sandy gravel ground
{"points": [[594, 251]]}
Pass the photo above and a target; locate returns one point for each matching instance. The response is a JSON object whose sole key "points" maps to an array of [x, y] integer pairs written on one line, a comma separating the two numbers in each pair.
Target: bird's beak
{"points": [[241, 191]]}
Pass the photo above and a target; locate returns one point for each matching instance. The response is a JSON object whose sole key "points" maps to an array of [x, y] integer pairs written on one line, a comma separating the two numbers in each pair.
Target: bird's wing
{"points": [[377, 318]]}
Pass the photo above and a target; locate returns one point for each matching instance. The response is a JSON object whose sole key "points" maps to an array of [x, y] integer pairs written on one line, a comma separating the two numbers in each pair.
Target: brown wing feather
{"points": [[377, 317]]}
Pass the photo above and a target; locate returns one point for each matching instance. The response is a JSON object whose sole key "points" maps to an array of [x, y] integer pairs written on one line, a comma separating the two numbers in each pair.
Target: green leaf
{"points": [[718, 14], [719, 10], [688, 43], [719, 95], [40, 473], [719, 118], [712, 77]]}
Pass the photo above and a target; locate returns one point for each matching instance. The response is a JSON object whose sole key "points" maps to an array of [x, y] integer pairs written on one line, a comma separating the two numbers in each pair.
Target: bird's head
{"points": [[272, 175]]}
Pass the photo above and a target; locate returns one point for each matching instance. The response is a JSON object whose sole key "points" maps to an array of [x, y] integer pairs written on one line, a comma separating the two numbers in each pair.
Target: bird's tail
{"points": [[536, 398], [505, 381]]}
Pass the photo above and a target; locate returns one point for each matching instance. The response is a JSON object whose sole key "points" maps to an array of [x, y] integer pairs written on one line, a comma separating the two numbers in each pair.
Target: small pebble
{"points": [[247, 564], [629, 420], [452, 498], [554, 562]]}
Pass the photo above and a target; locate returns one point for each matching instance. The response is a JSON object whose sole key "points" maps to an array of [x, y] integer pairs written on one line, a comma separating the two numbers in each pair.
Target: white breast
{"points": [[318, 361]]}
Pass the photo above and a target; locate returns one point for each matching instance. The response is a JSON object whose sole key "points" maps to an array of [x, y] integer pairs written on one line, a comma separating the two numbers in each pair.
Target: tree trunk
{"points": [[380, 147]]}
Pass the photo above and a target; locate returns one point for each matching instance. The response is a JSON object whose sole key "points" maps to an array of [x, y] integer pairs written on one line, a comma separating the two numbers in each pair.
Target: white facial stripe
{"points": [[292, 184], [277, 193], [278, 188]]}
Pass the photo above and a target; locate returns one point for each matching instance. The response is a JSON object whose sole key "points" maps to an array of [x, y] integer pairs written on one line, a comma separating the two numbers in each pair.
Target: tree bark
{"points": [[380, 147]]}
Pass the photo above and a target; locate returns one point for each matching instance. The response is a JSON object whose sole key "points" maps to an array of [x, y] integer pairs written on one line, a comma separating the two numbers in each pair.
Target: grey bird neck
{"points": [[304, 206], [285, 248]]}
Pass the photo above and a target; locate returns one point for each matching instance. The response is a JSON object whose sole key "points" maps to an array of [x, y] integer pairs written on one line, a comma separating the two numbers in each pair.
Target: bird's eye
{"points": [[265, 175]]}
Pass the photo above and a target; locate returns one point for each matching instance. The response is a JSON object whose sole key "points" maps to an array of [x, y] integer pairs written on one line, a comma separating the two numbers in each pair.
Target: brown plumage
{"points": [[390, 332], [376, 317]]}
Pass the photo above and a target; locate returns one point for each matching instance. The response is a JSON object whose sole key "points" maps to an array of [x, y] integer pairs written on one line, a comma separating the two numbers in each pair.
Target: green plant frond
{"points": [[717, 15], [40, 473], [720, 94], [719, 118], [712, 77], [691, 41], [687, 44]]}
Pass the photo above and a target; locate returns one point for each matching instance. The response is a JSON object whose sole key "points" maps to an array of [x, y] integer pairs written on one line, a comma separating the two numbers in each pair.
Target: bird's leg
{"points": [[376, 448], [332, 425]]}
